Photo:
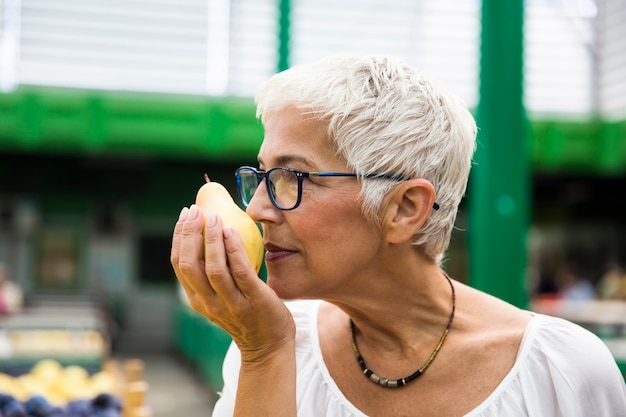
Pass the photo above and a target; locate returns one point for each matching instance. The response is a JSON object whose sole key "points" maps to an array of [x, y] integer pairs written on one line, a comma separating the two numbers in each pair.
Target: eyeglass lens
{"points": [[282, 185], [248, 183]]}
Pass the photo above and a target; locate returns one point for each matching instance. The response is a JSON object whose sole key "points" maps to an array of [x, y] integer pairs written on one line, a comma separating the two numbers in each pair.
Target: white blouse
{"points": [[561, 370]]}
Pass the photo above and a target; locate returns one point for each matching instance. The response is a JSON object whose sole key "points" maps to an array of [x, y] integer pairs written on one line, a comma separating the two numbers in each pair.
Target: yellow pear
{"points": [[213, 197]]}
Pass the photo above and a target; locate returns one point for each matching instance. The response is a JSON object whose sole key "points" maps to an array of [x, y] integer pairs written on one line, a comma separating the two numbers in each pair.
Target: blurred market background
{"points": [[111, 112]]}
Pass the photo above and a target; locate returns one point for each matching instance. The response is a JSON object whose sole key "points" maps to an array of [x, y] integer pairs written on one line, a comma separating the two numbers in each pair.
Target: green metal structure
{"points": [[499, 190], [284, 34]]}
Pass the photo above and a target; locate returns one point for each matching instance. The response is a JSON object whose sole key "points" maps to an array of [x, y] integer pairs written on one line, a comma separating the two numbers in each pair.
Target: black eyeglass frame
{"points": [[301, 175]]}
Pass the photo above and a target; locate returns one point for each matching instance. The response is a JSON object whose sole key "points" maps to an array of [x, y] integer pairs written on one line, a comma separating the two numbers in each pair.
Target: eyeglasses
{"points": [[284, 185]]}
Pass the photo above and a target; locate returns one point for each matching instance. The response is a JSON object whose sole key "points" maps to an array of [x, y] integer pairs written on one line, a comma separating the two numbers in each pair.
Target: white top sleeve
{"points": [[225, 405], [562, 370]]}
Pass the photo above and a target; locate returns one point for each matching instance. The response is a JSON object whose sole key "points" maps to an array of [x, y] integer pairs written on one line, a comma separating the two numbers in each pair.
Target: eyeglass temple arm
{"points": [[352, 174]]}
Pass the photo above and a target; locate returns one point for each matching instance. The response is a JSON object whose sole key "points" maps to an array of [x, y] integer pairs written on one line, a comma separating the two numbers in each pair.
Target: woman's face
{"points": [[319, 249]]}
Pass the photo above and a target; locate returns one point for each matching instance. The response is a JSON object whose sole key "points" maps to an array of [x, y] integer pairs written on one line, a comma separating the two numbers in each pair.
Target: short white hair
{"points": [[385, 117]]}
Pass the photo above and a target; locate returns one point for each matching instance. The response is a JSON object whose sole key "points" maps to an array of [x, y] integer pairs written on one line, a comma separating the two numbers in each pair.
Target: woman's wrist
{"points": [[259, 393], [262, 357]]}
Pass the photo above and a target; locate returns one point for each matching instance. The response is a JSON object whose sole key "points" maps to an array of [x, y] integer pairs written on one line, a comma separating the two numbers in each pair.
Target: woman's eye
{"points": [[285, 186]]}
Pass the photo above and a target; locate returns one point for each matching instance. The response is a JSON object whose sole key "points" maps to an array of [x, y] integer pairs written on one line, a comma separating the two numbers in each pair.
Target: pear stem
{"points": [[206, 178]]}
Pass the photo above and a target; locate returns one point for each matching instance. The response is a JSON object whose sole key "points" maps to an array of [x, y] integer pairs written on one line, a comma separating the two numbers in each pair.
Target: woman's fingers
{"points": [[241, 270], [175, 253], [176, 238], [188, 253], [217, 266]]}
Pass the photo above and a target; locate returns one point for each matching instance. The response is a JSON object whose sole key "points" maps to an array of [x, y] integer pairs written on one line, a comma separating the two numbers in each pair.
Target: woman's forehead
{"points": [[291, 137]]}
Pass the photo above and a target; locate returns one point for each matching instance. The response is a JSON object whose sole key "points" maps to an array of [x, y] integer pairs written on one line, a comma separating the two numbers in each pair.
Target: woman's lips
{"points": [[275, 252]]}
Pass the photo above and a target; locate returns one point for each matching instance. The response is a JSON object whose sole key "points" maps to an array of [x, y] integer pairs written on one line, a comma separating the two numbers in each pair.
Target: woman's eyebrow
{"points": [[287, 159]]}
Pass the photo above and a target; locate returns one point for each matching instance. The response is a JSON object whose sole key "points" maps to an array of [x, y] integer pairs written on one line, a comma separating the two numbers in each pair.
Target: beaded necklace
{"points": [[396, 383]]}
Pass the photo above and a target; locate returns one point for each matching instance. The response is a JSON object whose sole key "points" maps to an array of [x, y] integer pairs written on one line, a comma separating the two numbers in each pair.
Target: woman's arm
{"points": [[213, 268], [267, 387]]}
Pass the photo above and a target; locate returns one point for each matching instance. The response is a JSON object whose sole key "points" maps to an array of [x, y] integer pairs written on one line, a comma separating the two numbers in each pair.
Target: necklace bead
{"points": [[396, 383]]}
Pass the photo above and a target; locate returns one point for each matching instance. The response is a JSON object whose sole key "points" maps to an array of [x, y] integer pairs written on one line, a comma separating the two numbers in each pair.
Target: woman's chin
{"points": [[284, 289]]}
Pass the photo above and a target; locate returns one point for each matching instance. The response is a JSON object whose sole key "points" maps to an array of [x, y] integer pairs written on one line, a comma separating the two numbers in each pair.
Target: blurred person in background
{"points": [[572, 284], [11, 295], [612, 285], [361, 171]]}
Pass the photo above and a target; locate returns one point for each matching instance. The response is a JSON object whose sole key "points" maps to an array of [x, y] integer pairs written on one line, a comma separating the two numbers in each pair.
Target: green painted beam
{"points": [[90, 122], [499, 184], [67, 121]]}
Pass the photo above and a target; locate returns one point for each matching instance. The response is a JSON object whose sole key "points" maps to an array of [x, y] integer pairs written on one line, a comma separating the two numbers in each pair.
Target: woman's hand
{"points": [[219, 281]]}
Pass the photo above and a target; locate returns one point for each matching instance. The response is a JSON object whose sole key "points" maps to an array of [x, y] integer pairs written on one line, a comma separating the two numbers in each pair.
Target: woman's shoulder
{"points": [[560, 337], [560, 366], [569, 347]]}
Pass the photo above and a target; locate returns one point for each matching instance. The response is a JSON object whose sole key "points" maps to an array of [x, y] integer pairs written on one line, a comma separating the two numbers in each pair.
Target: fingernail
{"points": [[211, 219], [228, 232], [193, 213], [183, 214]]}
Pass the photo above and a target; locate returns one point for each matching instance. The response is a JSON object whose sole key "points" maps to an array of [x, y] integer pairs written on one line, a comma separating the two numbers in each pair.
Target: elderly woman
{"points": [[361, 171]]}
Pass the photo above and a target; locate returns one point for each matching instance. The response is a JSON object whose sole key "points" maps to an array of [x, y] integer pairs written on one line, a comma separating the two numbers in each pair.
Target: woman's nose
{"points": [[260, 207]]}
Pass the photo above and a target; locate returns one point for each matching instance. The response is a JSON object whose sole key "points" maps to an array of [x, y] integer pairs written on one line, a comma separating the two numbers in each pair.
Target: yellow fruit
{"points": [[9, 385], [75, 373], [47, 370], [31, 385], [212, 197], [102, 382]]}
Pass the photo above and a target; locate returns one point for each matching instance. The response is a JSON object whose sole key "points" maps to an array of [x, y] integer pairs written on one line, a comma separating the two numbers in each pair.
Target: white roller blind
{"points": [[438, 36], [10, 11], [170, 46], [558, 51], [146, 45], [254, 44], [612, 63], [574, 51]]}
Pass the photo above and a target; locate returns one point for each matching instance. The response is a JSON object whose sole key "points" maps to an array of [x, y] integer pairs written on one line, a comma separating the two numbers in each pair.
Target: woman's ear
{"points": [[407, 208]]}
